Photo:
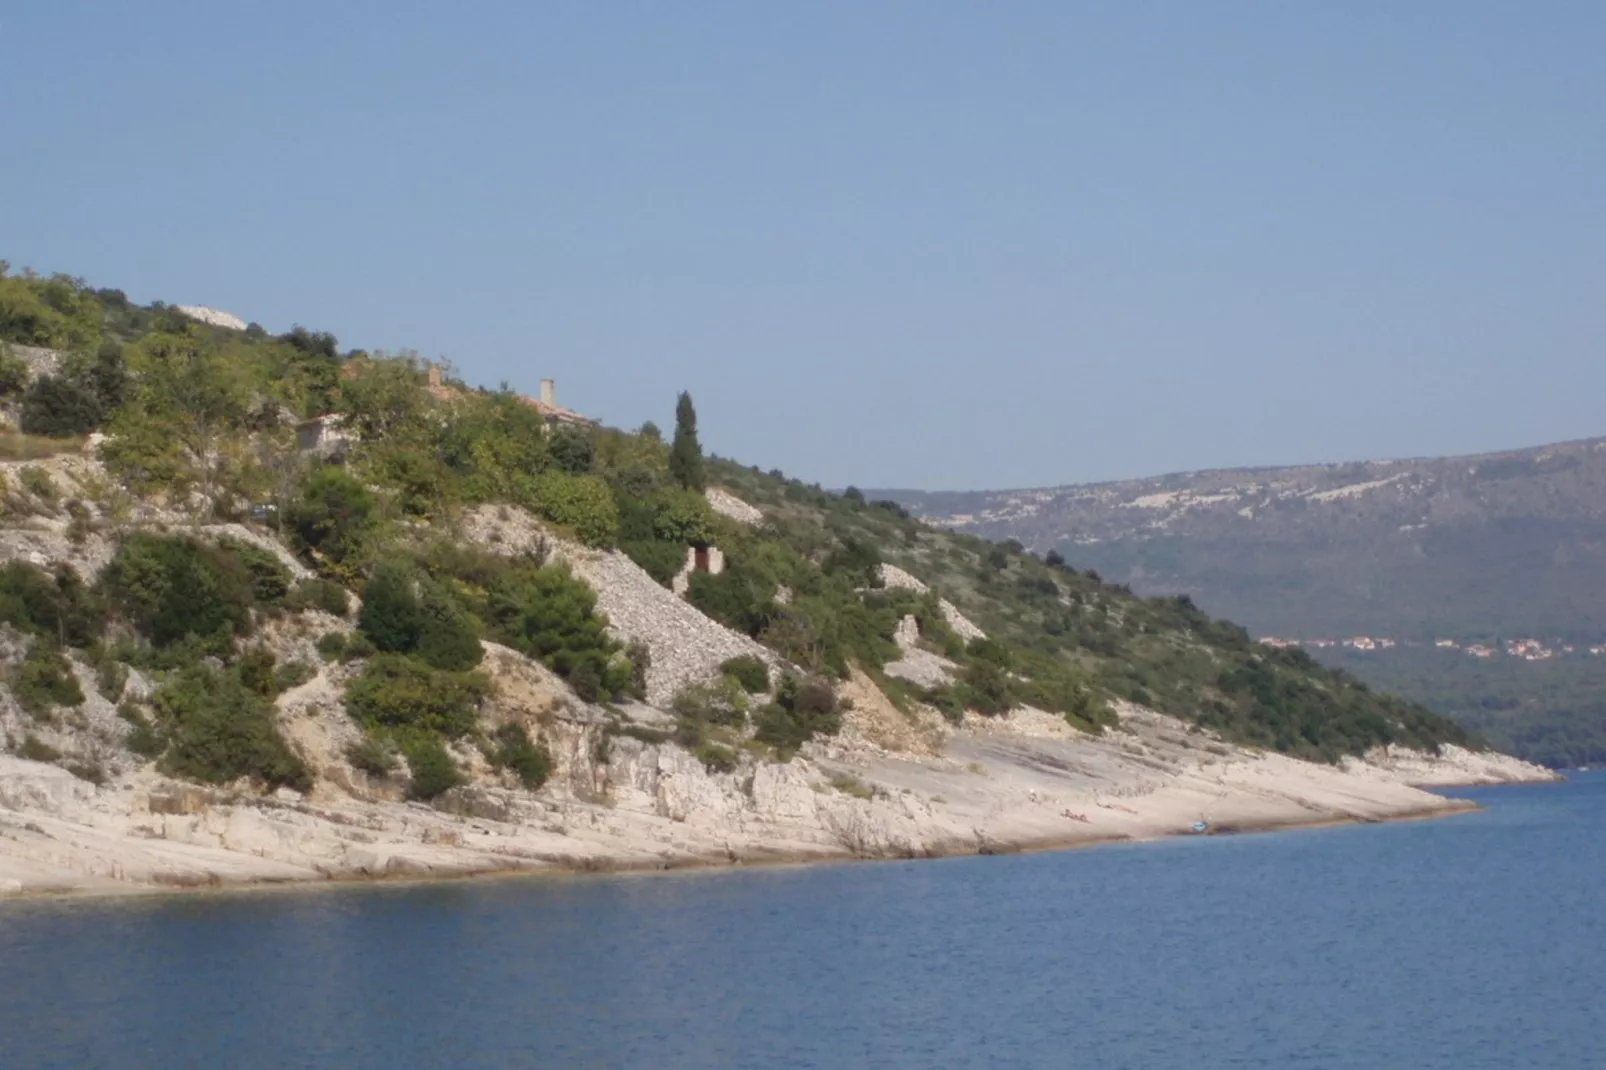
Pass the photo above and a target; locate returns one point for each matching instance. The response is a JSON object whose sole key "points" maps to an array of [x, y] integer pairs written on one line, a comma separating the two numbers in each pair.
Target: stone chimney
{"points": [[434, 376], [549, 392]]}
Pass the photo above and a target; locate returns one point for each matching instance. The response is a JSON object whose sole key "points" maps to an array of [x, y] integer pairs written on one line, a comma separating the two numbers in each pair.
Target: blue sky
{"points": [[932, 245]]}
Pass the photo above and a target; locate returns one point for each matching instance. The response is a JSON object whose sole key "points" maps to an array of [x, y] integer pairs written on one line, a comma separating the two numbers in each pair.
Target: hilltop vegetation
{"points": [[201, 423]]}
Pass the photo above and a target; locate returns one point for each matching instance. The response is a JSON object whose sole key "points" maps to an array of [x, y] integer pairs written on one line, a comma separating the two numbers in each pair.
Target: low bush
{"points": [[332, 646], [54, 605], [640, 657], [717, 702], [45, 680], [36, 750], [716, 757], [373, 756], [402, 614], [143, 739], [583, 503], [175, 588], [218, 730], [514, 750], [320, 594], [292, 674], [401, 694], [37, 481], [748, 670], [802, 710], [433, 771]]}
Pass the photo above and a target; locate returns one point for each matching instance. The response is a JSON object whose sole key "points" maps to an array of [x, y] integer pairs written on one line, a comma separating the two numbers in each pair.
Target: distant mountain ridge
{"points": [[1500, 556], [1485, 546]]}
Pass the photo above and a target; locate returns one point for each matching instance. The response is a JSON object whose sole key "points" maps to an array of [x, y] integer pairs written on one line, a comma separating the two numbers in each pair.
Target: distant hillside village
{"points": [[1524, 649]]}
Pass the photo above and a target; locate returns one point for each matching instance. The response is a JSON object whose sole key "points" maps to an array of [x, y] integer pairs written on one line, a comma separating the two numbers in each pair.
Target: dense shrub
{"points": [[404, 615], [52, 604], [660, 560], [550, 615], [44, 680], [571, 450], [583, 503], [737, 598], [857, 561], [396, 692], [802, 709], [332, 518], [57, 406], [321, 594], [14, 373], [682, 517], [718, 702], [270, 580], [217, 730], [984, 687], [531, 762], [748, 670], [78, 398], [433, 771], [177, 588], [255, 667], [58, 311], [391, 616], [448, 638], [372, 755]]}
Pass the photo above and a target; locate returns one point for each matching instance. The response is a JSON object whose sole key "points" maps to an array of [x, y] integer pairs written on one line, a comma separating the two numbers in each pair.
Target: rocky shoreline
{"points": [[1023, 783]]}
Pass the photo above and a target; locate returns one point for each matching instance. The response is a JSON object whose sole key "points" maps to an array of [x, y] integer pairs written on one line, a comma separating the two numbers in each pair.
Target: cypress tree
{"points": [[685, 453]]}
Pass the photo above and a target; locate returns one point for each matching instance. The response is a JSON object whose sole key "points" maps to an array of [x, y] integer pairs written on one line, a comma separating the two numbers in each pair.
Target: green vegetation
{"points": [[1061, 640], [686, 454], [52, 605], [802, 710], [402, 694], [1551, 712], [44, 680], [514, 750], [403, 615], [177, 590], [207, 417], [213, 727], [434, 772], [748, 670]]}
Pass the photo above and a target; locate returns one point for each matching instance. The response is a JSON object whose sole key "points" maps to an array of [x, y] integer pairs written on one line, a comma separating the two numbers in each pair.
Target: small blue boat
{"points": [[1201, 825]]}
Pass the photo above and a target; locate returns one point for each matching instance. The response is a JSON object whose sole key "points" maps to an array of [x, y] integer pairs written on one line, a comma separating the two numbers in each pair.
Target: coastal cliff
{"points": [[621, 795], [271, 611]]}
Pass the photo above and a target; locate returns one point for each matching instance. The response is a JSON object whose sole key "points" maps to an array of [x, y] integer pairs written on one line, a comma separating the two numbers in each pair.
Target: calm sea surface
{"points": [[1475, 941]]}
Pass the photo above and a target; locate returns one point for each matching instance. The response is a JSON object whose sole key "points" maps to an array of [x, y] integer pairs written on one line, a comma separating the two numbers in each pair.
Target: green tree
{"points": [[391, 616], [572, 450], [686, 453], [333, 517], [193, 392]]}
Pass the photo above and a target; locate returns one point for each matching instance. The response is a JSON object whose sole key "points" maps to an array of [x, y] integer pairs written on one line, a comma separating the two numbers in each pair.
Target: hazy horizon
{"points": [[899, 247]]}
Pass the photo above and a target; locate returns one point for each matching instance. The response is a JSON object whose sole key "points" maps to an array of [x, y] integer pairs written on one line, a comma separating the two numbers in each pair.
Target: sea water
{"points": [[1466, 942]]}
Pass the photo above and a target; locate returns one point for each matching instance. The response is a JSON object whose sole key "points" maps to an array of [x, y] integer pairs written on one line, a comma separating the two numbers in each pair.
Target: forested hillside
{"points": [[197, 450]]}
